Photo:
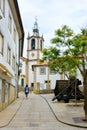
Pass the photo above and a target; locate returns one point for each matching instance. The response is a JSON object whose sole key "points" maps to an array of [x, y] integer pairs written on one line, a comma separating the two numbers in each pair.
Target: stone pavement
{"points": [[67, 113], [8, 113]]}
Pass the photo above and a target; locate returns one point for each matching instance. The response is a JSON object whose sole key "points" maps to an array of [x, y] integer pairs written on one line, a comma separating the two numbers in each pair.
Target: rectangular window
{"points": [[9, 55], [32, 84], [13, 62], [14, 35], [22, 82], [10, 23], [1, 44], [43, 71]]}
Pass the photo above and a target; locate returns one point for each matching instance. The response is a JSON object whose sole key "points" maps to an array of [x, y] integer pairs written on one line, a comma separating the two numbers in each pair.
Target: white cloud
{"points": [[51, 14]]}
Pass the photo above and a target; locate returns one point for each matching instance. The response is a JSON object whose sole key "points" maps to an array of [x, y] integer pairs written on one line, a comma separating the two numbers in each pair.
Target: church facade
{"points": [[38, 76]]}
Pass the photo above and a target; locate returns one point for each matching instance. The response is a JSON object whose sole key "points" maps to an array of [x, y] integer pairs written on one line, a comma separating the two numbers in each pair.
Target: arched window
{"points": [[33, 44]]}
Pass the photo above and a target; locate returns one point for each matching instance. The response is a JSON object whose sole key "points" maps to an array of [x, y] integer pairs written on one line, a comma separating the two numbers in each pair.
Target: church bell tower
{"points": [[35, 44]]}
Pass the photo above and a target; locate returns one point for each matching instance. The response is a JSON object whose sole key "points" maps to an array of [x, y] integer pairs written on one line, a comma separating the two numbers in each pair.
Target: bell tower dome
{"points": [[35, 28]]}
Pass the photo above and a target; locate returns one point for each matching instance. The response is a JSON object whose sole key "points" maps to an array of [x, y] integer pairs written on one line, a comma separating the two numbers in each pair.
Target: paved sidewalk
{"points": [[69, 113], [8, 113]]}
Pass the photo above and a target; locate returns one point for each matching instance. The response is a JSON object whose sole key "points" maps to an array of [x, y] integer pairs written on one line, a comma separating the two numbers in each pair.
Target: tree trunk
{"points": [[85, 95]]}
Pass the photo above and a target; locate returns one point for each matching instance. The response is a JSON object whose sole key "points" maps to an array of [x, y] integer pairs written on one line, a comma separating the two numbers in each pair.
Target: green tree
{"points": [[54, 54], [69, 53]]}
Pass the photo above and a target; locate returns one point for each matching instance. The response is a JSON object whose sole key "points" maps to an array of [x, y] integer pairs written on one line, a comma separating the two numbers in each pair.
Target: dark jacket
{"points": [[26, 89]]}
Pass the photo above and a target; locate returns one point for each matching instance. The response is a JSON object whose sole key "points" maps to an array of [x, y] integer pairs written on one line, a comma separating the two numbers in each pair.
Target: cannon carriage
{"points": [[72, 91]]}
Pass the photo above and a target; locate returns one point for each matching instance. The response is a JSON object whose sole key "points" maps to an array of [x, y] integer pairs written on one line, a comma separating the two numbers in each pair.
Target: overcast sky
{"points": [[51, 14]]}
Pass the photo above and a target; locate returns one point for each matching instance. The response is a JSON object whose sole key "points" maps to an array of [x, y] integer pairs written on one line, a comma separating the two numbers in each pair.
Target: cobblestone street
{"points": [[35, 114]]}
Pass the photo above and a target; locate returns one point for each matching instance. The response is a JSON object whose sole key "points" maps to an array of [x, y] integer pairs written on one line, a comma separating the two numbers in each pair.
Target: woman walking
{"points": [[26, 91]]}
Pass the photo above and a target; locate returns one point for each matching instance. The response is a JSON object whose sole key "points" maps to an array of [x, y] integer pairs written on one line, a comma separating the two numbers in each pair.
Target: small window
{"points": [[22, 82], [32, 84], [10, 23], [9, 55], [42, 71], [1, 44], [33, 44], [13, 62], [14, 35]]}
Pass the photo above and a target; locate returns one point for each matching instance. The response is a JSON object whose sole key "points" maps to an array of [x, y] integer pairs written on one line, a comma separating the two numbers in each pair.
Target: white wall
{"points": [[31, 73], [9, 41], [42, 78]]}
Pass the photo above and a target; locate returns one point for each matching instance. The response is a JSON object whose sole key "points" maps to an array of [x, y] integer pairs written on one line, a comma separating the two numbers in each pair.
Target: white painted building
{"points": [[45, 77], [36, 74], [11, 48]]}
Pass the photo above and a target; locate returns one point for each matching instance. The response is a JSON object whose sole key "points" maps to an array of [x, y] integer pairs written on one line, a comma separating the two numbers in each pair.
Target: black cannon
{"points": [[70, 92]]}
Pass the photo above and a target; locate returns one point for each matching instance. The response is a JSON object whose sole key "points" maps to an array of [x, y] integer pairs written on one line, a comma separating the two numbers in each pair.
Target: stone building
{"points": [[11, 48]]}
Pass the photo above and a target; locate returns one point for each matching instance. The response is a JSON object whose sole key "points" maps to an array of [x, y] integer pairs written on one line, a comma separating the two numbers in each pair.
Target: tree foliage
{"points": [[69, 53]]}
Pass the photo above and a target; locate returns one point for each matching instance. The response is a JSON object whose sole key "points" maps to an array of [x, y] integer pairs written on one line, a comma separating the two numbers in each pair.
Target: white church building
{"points": [[38, 76], [35, 74]]}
